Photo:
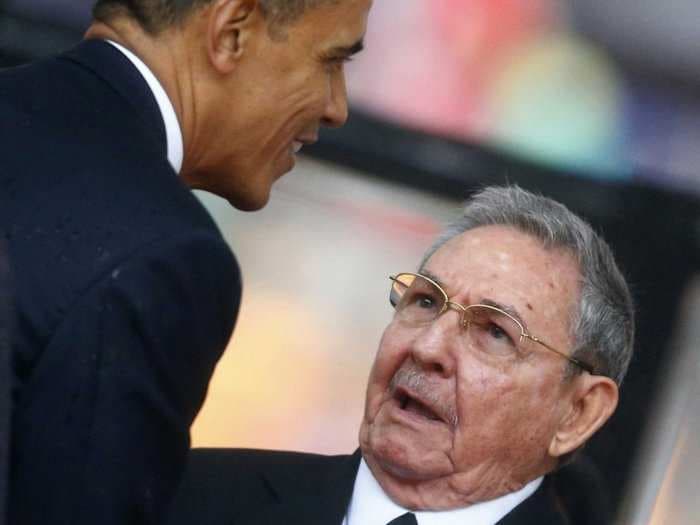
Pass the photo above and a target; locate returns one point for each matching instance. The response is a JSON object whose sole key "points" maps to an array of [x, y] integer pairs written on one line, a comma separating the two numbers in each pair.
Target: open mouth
{"points": [[415, 406]]}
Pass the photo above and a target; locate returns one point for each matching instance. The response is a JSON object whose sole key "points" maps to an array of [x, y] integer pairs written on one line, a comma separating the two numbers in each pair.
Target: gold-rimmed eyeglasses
{"points": [[420, 300]]}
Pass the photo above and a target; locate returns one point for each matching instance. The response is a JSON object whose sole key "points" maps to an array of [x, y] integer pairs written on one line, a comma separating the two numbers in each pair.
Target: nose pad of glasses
{"points": [[463, 313]]}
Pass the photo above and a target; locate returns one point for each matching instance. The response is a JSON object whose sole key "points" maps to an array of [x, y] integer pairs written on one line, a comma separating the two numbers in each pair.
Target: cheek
{"points": [[393, 349], [281, 112], [306, 94], [502, 418], [301, 116], [482, 390]]}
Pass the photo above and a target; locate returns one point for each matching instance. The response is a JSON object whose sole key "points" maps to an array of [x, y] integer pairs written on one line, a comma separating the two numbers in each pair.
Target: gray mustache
{"points": [[415, 381]]}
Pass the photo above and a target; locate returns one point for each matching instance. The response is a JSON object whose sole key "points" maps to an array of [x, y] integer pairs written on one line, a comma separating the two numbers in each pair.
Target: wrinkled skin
{"points": [[489, 420]]}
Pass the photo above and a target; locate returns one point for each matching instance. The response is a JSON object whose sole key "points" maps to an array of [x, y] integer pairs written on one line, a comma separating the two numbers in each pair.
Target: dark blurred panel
{"points": [[23, 40], [31, 29], [71, 14]]}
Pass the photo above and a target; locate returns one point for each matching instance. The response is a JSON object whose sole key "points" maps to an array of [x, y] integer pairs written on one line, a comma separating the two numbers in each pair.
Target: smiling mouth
{"points": [[415, 406]]}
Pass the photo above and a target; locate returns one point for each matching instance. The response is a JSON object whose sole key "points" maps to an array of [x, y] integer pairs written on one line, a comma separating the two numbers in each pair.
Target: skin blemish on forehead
{"points": [[529, 306], [504, 261]]}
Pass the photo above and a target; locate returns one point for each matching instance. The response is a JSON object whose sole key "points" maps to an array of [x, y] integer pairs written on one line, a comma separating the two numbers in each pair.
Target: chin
{"points": [[245, 200], [404, 460], [245, 197], [247, 205]]}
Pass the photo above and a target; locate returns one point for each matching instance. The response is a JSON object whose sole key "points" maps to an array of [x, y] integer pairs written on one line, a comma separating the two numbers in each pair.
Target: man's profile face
{"points": [[289, 83], [505, 408]]}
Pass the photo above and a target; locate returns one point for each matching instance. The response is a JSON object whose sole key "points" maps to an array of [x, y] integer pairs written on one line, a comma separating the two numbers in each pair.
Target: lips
{"points": [[302, 141], [411, 403]]}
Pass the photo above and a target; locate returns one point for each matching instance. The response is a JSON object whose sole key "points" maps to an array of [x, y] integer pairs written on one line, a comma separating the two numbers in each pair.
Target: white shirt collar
{"points": [[173, 134], [371, 506]]}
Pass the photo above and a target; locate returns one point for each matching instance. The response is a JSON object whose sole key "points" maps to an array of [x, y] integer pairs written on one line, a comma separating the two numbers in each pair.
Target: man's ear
{"points": [[230, 25], [593, 400]]}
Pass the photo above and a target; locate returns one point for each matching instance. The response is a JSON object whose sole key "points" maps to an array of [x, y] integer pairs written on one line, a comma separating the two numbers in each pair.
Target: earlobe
{"points": [[229, 27], [593, 401]]}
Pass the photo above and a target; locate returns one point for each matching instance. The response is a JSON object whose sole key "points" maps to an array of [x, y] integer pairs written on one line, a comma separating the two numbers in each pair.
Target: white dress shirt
{"points": [[371, 506], [173, 132]]}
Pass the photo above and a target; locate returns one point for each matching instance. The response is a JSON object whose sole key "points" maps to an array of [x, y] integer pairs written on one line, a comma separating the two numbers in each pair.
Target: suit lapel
{"points": [[319, 495]]}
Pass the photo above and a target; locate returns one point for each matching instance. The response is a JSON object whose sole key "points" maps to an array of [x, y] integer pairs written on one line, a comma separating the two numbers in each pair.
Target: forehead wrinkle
{"points": [[505, 261]]}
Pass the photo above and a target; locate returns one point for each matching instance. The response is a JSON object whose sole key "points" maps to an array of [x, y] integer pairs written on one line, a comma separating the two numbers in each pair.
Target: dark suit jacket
{"points": [[124, 292], [257, 487], [5, 380]]}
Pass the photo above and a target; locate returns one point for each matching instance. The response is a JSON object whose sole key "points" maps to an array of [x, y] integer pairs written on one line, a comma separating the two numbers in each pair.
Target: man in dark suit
{"points": [[124, 291], [504, 356]]}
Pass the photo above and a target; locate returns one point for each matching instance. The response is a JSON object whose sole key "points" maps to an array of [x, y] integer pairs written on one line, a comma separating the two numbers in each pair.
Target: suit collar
{"points": [[370, 504], [115, 69], [544, 506], [332, 484]]}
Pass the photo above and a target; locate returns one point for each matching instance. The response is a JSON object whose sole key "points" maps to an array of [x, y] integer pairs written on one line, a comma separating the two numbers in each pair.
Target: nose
{"points": [[436, 346], [336, 110]]}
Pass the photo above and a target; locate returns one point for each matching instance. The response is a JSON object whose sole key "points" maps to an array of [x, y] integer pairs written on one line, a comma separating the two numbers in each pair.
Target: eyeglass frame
{"points": [[465, 323]]}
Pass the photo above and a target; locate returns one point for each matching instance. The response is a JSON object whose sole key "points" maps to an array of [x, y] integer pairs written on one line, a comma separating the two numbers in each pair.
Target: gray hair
{"points": [[603, 325]]}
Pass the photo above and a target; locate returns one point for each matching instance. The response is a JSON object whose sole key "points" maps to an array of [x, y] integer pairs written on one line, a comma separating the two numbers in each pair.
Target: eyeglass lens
{"points": [[417, 301]]}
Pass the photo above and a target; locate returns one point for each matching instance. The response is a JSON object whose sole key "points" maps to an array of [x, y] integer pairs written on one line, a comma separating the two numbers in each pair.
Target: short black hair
{"points": [[156, 15]]}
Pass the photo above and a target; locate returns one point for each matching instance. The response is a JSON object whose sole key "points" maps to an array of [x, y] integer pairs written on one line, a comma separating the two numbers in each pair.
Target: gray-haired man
{"points": [[503, 358]]}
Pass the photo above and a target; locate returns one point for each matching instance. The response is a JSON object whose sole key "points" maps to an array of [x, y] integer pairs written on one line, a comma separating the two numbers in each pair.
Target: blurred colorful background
{"points": [[602, 88]]}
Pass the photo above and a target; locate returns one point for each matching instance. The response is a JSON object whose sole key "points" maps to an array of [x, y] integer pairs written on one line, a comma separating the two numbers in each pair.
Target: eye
{"points": [[492, 332], [418, 306], [415, 299], [424, 301], [499, 334]]}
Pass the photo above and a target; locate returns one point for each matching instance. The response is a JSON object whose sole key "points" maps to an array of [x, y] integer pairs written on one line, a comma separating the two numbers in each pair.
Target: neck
{"points": [[165, 55]]}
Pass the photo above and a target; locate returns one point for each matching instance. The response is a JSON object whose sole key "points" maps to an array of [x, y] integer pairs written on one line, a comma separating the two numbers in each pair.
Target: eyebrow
{"points": [[510, 310], [433, 277]]}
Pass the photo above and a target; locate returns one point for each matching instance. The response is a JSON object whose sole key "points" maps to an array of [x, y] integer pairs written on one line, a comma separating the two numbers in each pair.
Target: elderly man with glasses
{"points": [[504, 356]]}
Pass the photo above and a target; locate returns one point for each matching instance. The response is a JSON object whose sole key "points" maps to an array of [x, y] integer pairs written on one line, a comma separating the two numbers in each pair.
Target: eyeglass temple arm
{"points": [[585, 366]]}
